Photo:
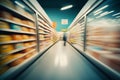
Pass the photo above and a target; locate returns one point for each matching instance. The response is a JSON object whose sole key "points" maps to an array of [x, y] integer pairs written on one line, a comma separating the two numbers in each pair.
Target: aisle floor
{"points": [[62, 63]]}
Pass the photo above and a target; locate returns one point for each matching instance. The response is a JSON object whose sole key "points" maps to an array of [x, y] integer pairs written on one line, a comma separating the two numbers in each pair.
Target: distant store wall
{"points": [[56, 15]]}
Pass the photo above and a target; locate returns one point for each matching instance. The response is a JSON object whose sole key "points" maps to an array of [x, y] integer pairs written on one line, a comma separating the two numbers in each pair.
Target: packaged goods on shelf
{"points": [[16, 62], [7, 3], [6, 48], [25, 29], [28, 55], [32, 37], [32, 30], [25, 36], [6, 59], [19, 9], [5, 38], [27, 50], [6, 15], [29, 15], [18, 45], [18, 20], [17, 37], [15, 27], [4, 69], [4, 25], [32, 43], [25, 22], [111, 60], [27, 44], [31, 24]]}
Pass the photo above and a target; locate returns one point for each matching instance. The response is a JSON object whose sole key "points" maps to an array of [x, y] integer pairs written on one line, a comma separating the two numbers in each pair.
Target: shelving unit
{"points": [[77, 34], [18, 35], [23, 36]]}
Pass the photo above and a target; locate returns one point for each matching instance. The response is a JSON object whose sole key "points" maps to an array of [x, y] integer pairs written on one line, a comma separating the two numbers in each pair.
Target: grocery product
{"points": [[5, 15], [5, 38], [15, 27], [32, 30], [17, 37], [21, 10], [6, 48], [4, 25], [18, 20], [18, 45], [25, 29], [26, 44], [8, 3], [6, 59], [25, 37], [16, 62]]}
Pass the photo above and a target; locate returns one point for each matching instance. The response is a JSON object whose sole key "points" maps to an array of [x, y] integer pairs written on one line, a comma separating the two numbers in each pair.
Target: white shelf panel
{"points": [[15, 31], [17, 41]]}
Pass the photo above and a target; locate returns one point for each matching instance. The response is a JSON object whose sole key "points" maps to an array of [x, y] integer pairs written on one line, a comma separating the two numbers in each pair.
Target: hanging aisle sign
{"points": [[64, 21]]}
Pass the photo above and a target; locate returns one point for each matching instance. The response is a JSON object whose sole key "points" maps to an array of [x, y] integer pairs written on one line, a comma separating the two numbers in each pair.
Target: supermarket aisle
{"points": [[62, 63]]}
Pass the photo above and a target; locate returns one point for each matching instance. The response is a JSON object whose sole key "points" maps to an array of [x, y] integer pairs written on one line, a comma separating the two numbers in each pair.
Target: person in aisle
{"points": [[64, 38]]}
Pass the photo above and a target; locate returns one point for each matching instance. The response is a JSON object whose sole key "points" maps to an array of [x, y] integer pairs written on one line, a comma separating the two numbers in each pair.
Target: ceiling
{"points": [[52, 7], [60, 3]]}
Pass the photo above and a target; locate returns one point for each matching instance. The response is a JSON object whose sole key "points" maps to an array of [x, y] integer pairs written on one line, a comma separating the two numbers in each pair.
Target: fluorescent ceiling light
{"points": [[19, 4], [98, 12], [101, 8], [118, 17], [66, 7], [104, 14], [116, 14]]}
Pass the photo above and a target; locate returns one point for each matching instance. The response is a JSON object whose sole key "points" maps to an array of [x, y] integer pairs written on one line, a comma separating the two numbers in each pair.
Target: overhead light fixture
{"points": [[19, 4], [66, 7]]}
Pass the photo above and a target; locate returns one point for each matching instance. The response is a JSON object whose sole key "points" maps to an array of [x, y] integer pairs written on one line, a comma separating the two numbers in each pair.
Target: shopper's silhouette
{"points": [[64, 39]]}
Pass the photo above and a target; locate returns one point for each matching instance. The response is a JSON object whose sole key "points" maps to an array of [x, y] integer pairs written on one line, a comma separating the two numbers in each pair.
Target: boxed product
{"points": [[25, 36], [27, 44], [27, 50], [5, 38], [6, 59], [7, 3], [25, 22], [18, 45], [19, 9], [17, 37], [17, 20], [15, 27], [16, 62], [32, 37], [32, 30], [31, 24], [4, 25], [25, 29], [6, 15], [6, 48]]}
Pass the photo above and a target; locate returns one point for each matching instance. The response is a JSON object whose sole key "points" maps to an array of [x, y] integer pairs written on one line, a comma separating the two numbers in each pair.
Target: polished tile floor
{"points": [[62, 63]]}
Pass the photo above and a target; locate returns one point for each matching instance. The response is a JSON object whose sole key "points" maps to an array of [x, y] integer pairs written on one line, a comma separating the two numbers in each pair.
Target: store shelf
{"points": [[44, 29], [16, 50], [42, 25], [105, 47], [13, 31], [17, 58], [43, 33], [11, 42], [20, 24], [16, 12]]}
